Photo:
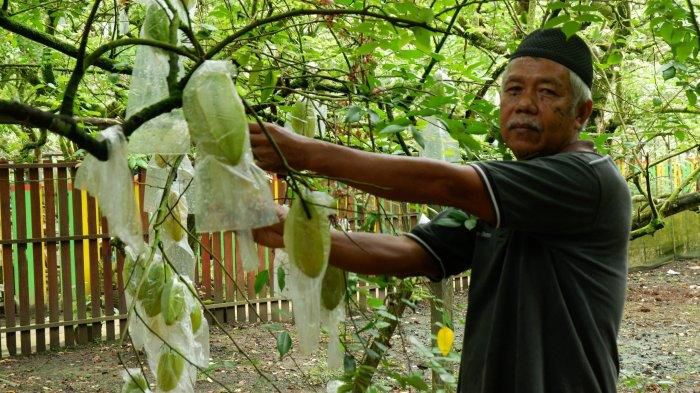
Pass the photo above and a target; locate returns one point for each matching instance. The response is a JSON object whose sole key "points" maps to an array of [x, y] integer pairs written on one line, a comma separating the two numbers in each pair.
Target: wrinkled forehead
{"points": [[536, 69]]}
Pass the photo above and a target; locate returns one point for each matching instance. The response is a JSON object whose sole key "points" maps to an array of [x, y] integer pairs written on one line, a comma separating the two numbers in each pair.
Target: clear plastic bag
{"points": [[230, 197], [148, 80], [439, 144], [248, 250], [165, 134], [215, 113], [134, 381], [333, 320], [157, 175], [112, 184]]}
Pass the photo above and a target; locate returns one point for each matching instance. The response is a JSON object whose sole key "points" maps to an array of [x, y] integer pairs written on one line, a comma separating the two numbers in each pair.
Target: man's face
{"points": [[537, 113]]}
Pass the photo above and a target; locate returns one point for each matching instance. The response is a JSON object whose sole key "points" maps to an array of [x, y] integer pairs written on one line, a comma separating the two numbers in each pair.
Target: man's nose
{"points": [[526, 102]]}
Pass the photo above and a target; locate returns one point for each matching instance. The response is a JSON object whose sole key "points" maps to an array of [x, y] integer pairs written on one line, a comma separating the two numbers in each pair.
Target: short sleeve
{"points": [[553, 194], [451, 246]]}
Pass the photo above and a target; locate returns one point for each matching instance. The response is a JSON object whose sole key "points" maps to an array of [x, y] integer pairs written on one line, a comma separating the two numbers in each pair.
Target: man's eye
{"points": [[549, 92]]}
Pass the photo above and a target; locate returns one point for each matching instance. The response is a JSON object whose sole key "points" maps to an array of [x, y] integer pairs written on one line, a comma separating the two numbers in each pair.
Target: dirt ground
{"points": [[659, 349]]}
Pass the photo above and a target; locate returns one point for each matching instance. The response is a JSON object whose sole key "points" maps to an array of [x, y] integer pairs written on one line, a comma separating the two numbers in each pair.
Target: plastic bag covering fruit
{"points": [[134, 381], [307, 239], [170, 367], [215, 113], [196, 317], [165, 134], [156, 24], [176, 219], [332, 287], [172, 301], [132, 273], [230, 197], [439, 144], [304, 118], [152, 288], [112, 184]]}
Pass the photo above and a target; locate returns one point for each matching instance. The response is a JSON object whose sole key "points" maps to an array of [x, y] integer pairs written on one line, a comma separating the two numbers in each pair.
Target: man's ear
{"points": [[583, 112]]}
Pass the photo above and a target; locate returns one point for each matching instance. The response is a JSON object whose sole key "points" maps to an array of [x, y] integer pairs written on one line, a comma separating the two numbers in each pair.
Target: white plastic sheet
{"points": [[111, 182], [165, 134], [439, 144]]}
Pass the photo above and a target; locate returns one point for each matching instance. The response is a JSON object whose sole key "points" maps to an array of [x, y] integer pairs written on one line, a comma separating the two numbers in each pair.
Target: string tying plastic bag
{"points": [[112, 184], [307, 241]]}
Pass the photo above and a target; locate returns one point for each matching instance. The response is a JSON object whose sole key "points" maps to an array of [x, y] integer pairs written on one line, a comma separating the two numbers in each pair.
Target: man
{"points": [[548, 255]]}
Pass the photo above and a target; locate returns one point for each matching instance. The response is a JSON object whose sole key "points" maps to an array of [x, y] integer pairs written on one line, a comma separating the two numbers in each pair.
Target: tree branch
{"points": [[693, 19], [57, 44], [77, 75], [640, 226], [62, 125]]}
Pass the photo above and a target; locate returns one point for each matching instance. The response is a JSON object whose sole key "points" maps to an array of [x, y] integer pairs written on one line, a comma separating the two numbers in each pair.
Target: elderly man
{"points": [[548, 255]]}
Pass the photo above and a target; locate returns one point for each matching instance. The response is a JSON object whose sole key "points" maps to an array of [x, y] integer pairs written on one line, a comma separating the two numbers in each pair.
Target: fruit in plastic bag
{"points": [[156, 24], [134, 382], [307, 239], [170, 367], [132, 273], [152, 288], [304, 118], [174, 221], [172, 302], [332, 287], [196, 318], [215, 113]]}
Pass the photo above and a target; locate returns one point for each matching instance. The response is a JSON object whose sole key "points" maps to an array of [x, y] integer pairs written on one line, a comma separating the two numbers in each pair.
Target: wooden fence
{"points": [[61, 276]]}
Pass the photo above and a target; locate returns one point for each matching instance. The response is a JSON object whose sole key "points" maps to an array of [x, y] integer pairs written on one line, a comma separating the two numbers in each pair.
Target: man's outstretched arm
{"points": [[366, 253], [397, 178]]}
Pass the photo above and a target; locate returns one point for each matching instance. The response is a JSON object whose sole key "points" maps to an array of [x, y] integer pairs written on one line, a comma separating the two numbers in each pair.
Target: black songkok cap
{"points": [[552, 44]]}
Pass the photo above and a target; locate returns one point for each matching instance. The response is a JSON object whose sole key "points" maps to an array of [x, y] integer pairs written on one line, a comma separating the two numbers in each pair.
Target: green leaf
{"points": [[570, 28], [666, 31], [680, 135], [684, 50], [260, 280], [416, 380], [557, 20], [669, 72], [422, 39], [284, 343], [614, 58], [657, 101], [281, 276], [375, 302], [354, 114], [269, 82]]}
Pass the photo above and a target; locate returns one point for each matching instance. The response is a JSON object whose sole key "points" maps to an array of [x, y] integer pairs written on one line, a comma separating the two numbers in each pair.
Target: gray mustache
{"points": [[517, 123]]}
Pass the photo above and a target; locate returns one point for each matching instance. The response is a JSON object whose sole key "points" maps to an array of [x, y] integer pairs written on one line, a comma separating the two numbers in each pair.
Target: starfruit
{"points": [[304, 118], [151, 289], [135, 382], [156, 24], [307, 237], [196, 318], [172, 301], [169, 371], [332, 287], [215, 113], [174, 222]]}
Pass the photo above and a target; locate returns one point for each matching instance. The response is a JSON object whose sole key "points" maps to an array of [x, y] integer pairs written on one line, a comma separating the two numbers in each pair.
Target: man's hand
{"points": [[272, 236], [290, 144]]}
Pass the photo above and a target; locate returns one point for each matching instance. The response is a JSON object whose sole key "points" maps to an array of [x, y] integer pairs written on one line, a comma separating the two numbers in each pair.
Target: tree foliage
{"points": [[374, 71]]}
